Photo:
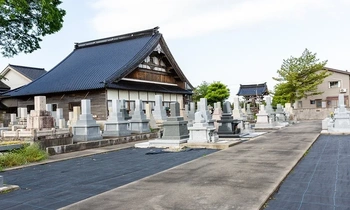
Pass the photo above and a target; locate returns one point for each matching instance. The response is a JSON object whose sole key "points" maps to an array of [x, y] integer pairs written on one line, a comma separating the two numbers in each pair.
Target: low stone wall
{"points": [[53, 150], [313, 114]]}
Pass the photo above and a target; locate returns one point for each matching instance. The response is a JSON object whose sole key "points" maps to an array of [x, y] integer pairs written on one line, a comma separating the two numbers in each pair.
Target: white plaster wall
{"points": [[173, 97], [143, 96], [151, 96], [112, 94], [134, 95], [124, 94], [166, 97], [15, 80]]}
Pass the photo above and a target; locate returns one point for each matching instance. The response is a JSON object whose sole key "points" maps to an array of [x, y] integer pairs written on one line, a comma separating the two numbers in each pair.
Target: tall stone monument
{"points": [[39, 118], [175, 130], [139, 123], [217, 114], [201, 131], [203, 108], [86, 128], [229, 126], [116, 125], [159, 112]]}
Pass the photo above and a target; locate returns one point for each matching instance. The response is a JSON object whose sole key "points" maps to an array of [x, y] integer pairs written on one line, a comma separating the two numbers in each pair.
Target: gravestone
{"points": [[139, 123], [123, 110], [237, 111], [159, 112], [76, 115], [39, 118], [229, 126], [280, 114], [149, 116], [60, 121], [86, 128], [201, 131], [175, 130], [217, 114], [186, 111], [341, 118], [203, 108], [250, 114], [116, 125], [191, 112]]}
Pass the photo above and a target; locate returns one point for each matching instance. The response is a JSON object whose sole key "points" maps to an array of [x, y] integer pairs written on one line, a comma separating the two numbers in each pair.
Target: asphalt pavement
{"points": [[241, 177]]}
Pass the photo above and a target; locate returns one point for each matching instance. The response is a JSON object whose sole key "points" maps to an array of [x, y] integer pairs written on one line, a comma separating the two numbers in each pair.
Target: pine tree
{"points": [[299, 78]]}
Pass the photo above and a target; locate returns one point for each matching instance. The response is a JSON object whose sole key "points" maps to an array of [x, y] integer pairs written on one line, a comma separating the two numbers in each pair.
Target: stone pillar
{"points": [[159, 112], [86, 128], [139, 123], [203, 108], [76, 114], [116, 125], [39, 103]]}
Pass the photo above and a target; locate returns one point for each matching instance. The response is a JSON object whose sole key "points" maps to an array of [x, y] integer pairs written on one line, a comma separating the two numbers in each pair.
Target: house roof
{"points": [[253, 90], [337, 70], [97, 64], [31, 73]]}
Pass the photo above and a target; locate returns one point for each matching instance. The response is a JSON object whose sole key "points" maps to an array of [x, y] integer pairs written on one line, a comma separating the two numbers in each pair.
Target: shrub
{"points": [[31, 153]]}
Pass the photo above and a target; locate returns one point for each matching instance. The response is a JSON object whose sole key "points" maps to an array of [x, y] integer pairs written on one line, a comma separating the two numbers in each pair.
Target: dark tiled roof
{"points": [[30, 72], [253, 90], [94, 64], [141, 86]]}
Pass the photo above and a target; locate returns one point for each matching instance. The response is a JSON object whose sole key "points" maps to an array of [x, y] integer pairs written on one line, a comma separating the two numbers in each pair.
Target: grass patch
{"points": [[27, 154]]}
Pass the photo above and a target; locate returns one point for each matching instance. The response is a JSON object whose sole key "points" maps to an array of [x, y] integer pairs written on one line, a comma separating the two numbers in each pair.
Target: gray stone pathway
{"points": [[55, 185], [321, 180]]}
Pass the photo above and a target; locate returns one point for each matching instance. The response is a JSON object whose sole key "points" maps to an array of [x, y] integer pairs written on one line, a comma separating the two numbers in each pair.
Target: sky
{"points": [[231, 41]]}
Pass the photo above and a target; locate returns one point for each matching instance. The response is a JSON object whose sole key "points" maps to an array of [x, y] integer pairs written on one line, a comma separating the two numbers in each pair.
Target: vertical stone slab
{"points": [[13, 119], [159, 112], [23, 113], [227, 108], [39, 103], [48, 107], [139, 123], [175, 109]]}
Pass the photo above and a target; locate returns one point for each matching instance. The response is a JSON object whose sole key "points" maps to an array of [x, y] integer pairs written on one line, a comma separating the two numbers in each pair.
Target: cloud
{"points": [[188, 18]]}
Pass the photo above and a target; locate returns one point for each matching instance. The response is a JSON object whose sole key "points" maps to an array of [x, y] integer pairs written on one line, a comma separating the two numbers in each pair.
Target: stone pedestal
{"points": [[139, 122], [201, 132], [175, 130], [116, 125], [229, 126], [86, 128]]}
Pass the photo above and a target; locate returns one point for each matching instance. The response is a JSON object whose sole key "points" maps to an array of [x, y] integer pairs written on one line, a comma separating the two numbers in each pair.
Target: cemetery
{"points": [[141, 103]]}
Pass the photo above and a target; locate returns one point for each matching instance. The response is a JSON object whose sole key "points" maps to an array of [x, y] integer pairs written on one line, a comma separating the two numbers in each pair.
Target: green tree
{"points": [[217, 92], [23, 23], [200, 91], [299, 77]]}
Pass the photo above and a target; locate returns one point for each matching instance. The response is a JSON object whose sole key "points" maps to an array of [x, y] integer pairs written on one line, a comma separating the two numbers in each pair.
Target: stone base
{"points": [[139, 126], [202, 135], [86, 133], [165, 143], [231, 135], [116, 129]]}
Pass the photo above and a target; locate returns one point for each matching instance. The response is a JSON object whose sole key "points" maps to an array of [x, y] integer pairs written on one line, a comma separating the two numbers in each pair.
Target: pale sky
{"points": [[232, 41]]}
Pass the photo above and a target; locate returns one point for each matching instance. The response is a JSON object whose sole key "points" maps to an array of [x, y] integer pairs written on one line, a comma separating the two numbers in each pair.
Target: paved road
{"points": [[58, 184], [241, 177], [321, 180]]}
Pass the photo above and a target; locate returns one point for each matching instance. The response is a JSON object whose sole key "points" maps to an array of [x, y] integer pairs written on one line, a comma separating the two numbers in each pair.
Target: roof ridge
{"points": [[28, 67], [121, 37]]}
